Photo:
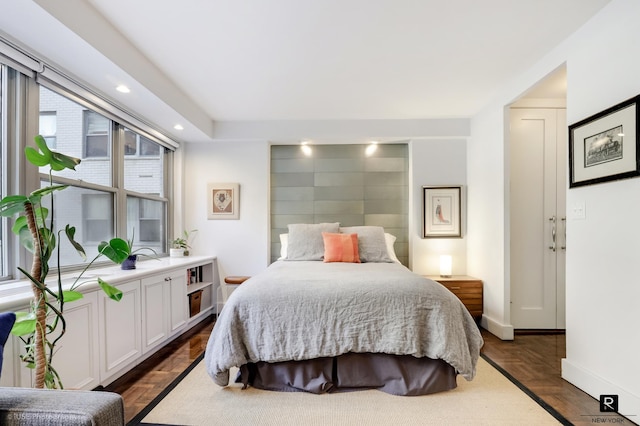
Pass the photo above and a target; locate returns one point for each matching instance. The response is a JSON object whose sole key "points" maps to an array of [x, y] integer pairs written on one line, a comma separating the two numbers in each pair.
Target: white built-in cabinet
{"points": [[178, 302], [80, 344], [155, 296], [105, 339], [164, 307], [120, 330]]}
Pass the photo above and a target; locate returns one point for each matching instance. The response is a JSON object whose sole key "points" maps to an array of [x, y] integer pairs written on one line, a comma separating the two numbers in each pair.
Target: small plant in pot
{"points": [[121, 251], [180, 245]]}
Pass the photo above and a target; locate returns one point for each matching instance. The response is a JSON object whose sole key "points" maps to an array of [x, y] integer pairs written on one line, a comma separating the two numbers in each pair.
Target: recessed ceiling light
{"points": [[373, 146], [178, 127], [306, 148], [123, 89]]}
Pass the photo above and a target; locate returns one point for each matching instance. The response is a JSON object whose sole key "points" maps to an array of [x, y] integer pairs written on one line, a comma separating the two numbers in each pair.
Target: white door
{"points": [[537, 219]]}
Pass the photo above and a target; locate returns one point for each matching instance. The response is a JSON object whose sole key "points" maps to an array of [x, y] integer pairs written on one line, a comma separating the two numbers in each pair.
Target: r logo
{"points": [[608, 403]]}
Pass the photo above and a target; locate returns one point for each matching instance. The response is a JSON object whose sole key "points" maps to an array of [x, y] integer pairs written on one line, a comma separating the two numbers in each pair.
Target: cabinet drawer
{"points": [[467, 289]]}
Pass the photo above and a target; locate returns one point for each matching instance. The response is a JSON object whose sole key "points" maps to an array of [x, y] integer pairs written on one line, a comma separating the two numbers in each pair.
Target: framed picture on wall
{"points": [[223, 201], [441, 211], [605, 146]]}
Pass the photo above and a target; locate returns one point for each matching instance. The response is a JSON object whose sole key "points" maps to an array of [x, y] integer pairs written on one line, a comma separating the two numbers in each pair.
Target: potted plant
{"points": [[121, 251], [44, 325], [180, 245], [176, 251]]}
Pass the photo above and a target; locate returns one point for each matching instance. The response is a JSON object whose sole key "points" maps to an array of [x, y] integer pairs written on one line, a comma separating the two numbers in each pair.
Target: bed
{"points": [[317, 323]]}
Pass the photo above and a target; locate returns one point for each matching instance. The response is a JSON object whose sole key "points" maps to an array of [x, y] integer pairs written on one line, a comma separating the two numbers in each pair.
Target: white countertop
{"points": [[17, 294]]}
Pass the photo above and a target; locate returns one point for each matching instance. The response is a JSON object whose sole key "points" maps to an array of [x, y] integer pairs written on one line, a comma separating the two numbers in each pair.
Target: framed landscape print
{"points": [[605, 146], [223, 201], [441, 211]]}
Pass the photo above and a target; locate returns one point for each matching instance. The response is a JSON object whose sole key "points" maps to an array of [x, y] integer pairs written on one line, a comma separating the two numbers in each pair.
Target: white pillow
{"points": [[284, 240], [389, 240], [305, 240], [372, 246]]}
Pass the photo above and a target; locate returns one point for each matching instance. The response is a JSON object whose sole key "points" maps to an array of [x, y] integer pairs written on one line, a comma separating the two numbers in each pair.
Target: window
{"points": [[97, 214], [47, 128], [118, 189], [145, 222], [72, 122], [3, 178], [14, 87], [90, 211], [130, 143], [135, 144], [148, 148], [143, 166], [91, 204], [96, 135]]}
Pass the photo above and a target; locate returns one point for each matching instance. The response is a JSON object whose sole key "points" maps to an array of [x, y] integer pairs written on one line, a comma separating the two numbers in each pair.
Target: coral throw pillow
{"points": [[340, 247]]}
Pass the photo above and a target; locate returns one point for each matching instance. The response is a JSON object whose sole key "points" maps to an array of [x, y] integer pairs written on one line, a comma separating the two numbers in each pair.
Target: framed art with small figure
{"points": [[223, 201], [441, 211]]}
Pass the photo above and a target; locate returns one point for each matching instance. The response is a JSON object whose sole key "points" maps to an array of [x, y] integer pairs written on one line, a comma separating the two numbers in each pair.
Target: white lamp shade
{"points": [[445, 265]]}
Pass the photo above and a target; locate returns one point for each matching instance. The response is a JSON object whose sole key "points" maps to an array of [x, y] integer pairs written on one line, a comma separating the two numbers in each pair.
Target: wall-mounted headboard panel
{"points": [[340, 183]]}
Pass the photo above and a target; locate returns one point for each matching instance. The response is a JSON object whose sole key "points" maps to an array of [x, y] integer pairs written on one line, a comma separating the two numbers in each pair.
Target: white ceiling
{"points": [[203, 61]]}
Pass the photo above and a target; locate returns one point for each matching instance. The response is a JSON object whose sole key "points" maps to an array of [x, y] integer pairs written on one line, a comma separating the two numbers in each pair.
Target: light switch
{"points": [[578, 211]]}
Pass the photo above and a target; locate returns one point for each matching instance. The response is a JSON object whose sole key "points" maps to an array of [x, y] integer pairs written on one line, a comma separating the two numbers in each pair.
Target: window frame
{"points": [[120, 193], [20, 119], [3, 175]]}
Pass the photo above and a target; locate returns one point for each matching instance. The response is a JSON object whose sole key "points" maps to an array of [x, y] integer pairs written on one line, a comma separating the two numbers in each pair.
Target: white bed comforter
{"points": [[302, 310]]}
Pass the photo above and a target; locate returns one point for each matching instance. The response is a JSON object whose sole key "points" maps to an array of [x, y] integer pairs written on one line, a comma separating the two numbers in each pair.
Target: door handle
{"points": [[564, 232], [552, 247]]}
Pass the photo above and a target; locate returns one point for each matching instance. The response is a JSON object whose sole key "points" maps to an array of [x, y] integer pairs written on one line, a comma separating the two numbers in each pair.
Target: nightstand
{"points": [[468, 289]]}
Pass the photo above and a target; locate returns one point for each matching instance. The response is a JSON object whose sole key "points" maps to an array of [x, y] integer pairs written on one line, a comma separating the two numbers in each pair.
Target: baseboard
{"points": [[538, 331], [501, 331], [628, 404]]}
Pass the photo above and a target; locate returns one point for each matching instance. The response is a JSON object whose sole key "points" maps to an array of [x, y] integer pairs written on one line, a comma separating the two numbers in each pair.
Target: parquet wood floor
{"points": [[140, 386], [534, 360]]}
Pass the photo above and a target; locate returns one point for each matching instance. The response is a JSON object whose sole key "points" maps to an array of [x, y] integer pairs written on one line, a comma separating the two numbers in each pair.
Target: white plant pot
{"points": [[176, 252]]}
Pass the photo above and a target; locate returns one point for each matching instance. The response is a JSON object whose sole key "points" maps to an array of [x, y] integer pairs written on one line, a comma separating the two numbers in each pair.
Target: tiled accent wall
{"points": [[339, 183]]}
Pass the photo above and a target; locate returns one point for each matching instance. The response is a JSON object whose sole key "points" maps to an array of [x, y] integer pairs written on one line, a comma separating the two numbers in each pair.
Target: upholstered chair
{"points": [[40, 407]]}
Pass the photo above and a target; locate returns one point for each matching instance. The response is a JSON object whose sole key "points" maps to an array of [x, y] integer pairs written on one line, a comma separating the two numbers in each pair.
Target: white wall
{"points": [[602, 268], [487, 248], [241, 245], [603, 341], [436, 162]]}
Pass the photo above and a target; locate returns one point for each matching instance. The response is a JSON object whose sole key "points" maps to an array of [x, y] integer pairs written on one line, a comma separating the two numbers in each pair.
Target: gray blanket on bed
{"points": [[303, 310]]}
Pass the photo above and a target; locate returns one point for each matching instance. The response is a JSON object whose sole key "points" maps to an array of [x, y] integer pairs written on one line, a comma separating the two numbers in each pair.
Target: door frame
{"points": [[531, 98]]}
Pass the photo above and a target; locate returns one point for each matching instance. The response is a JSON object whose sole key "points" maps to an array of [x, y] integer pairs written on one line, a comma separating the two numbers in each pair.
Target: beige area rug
{"points": [[490, 399]]}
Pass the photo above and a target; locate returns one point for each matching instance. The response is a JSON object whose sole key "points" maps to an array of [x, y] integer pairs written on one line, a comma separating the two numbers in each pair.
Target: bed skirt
{"points": [[393, 374]]}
